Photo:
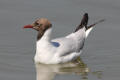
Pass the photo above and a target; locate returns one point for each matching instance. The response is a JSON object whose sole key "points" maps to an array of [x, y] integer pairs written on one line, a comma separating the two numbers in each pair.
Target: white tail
{"points": [[88, 31], [89, 28]]}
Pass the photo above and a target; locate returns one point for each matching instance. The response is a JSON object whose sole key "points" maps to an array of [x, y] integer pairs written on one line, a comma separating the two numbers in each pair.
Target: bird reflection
{"points": [[48, 72]]}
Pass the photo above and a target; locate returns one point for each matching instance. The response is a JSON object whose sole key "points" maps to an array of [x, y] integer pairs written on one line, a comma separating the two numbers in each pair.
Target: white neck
{"points": [[47, 35], [41, 43]]}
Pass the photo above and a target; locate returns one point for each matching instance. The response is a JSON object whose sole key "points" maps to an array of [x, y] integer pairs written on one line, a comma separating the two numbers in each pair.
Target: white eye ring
{"points": [[36, 24]]}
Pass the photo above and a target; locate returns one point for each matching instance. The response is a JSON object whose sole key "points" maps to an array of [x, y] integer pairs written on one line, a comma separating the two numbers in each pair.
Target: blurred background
{"points": [[17, 46]]}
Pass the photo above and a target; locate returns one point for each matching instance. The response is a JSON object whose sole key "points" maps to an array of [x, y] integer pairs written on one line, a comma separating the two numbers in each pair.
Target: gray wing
{"points": [[68, 45]]}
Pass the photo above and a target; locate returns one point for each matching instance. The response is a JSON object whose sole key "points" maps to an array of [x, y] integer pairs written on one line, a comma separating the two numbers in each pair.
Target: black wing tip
{"points": [[92, 25], [86, 14], [84, 22]]}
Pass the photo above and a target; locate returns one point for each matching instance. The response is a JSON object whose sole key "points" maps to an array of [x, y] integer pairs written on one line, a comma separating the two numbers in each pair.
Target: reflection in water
{"points": [[48, 72], [98, 74]]}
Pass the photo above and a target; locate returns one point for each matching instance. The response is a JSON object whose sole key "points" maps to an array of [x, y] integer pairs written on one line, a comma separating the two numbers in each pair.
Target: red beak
{"points": [[28, 26]]}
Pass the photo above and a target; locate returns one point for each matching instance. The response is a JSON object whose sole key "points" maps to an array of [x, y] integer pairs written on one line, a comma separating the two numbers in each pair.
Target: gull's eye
{"points": [[36, 24]]}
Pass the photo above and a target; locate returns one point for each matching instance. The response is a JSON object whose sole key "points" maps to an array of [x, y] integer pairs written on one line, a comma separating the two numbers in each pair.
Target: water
{"points": [[17, 46]]}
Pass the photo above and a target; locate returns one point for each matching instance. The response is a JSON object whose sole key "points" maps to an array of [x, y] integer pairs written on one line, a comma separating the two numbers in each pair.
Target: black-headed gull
{"points": [[59, 50]]}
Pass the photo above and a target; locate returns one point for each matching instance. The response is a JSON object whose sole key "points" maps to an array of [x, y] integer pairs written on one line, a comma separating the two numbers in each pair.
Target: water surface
{"points": [[17, 46]]}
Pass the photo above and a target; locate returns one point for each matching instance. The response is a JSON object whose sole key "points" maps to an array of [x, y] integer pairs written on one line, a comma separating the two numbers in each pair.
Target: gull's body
{"points": [[59, 50], [70, 47]]}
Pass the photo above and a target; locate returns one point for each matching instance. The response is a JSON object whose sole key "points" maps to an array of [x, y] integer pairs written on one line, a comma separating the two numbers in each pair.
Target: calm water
{"points": [[101, 55]]}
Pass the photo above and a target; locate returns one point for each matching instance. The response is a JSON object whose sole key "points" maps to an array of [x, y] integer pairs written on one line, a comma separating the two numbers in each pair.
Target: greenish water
{"points": [[101, 55]]}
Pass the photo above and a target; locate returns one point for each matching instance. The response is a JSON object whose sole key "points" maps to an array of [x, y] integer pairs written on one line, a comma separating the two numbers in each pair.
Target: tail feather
{"points": [[89, 28], [83, 23], [88, 31]]}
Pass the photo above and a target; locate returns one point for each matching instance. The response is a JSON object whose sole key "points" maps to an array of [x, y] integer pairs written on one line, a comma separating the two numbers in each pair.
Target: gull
{"points": [[63, 49]]}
